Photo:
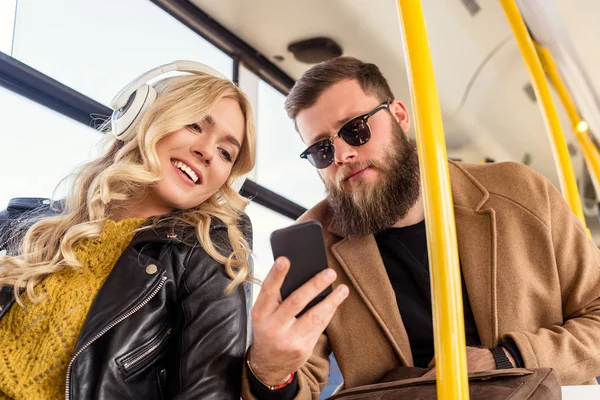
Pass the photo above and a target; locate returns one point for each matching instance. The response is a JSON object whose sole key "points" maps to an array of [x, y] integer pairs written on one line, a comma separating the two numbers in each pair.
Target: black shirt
{"points": [[404, 254]]}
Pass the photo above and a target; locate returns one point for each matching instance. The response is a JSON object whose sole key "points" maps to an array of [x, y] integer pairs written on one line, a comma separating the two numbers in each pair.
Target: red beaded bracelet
{"points": [[284, 384], [269, 387]]}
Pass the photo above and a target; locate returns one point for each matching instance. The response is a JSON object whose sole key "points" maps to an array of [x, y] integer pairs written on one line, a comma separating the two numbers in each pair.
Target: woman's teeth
{"points": [[187, 170]]}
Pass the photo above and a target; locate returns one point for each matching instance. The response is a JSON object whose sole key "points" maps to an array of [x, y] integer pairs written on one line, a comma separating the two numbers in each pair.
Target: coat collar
{"points": [[360, 259], [170, 233], [467, 192]]}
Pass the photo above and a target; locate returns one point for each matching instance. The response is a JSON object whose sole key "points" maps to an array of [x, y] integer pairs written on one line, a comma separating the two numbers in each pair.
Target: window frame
{"points": [[34, 85]]}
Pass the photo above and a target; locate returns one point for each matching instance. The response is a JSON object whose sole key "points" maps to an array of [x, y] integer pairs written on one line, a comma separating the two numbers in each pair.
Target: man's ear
{"points": [[400, 113]]}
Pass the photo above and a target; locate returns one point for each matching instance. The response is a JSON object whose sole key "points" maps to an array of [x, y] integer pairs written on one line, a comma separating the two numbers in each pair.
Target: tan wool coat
{"points": [[531, 273]]}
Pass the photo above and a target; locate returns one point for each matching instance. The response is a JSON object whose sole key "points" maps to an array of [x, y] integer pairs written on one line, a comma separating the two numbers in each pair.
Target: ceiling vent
{"points": [[472, 7], [315, 50]]}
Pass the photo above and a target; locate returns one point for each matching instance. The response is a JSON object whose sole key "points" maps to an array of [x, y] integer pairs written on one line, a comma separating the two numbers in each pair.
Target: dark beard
{"points": [[371, 208]]}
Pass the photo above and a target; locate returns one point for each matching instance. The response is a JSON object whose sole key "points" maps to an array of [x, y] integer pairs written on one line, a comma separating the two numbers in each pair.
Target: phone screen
{"points": [[303, 244]]}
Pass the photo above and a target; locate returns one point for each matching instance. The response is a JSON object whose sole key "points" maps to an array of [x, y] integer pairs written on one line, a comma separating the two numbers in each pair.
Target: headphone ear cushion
{"points": [[124, 119]]}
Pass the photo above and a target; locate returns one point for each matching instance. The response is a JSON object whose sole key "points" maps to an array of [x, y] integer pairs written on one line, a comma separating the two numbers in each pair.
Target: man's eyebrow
{"points": [[351, 116], [341, 122], [321, 136]]}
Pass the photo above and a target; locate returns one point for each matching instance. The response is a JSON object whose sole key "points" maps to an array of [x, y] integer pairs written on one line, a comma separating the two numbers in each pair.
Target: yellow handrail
{"points": [[449, 328], [558, 143], [579, 126]]}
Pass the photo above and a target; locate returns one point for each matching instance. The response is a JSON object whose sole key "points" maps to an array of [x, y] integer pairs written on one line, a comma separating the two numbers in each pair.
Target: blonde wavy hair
{"points": [[104, 185]]}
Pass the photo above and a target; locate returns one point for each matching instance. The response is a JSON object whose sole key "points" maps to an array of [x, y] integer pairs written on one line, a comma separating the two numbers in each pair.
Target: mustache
{"points": [[348, 168]]}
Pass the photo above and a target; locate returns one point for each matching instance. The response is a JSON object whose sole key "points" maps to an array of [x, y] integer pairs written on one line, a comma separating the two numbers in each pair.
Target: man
{"points": [[530, 275]]}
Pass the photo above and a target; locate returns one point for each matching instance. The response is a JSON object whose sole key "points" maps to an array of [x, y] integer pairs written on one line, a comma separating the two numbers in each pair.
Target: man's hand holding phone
{"points": [[282, 343]]}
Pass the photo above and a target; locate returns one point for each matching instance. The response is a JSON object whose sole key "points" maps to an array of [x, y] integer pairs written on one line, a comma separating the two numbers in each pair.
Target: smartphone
{"points": [[304, 245]]}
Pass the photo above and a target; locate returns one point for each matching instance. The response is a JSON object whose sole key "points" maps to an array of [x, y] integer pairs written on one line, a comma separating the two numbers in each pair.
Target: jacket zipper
{"points": [[109, 327], [162, 379], [158, 342]]}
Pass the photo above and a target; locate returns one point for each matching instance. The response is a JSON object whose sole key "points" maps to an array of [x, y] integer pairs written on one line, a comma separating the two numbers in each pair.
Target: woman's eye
{"points": [[195, 127], [226, 155]]}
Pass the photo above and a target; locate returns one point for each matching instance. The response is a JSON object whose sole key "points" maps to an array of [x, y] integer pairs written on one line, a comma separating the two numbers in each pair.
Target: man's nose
{"points": [[343, 152]]}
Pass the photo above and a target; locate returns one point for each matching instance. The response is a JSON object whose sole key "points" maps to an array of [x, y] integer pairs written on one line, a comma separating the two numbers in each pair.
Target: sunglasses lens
{"points": [[356, 132], [320, 154]]}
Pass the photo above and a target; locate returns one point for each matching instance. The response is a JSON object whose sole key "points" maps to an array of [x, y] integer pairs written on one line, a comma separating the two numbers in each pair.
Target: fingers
{"points": [[269, 297], [299, 299], [431, 363], [314, 322], [280, 347]]}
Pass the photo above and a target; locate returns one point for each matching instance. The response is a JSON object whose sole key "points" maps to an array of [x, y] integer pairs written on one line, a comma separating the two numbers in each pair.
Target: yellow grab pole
{"points": [[449, 328], [558, 143], [551, 70], [579, 126]]}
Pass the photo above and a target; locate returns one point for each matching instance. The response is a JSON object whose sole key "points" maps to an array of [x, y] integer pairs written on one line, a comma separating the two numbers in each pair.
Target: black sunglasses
{"points": [[355, 132]]}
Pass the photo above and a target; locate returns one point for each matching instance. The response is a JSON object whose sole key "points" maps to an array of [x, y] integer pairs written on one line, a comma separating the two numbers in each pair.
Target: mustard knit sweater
{"points": [[37, 343]]}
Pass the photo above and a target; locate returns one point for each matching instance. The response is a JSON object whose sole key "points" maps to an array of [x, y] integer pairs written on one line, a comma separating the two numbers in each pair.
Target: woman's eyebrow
{"points": [[228, 137]]}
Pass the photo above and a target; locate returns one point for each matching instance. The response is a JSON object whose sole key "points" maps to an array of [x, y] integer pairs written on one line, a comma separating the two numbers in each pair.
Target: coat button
{"points": [[151, 269]]}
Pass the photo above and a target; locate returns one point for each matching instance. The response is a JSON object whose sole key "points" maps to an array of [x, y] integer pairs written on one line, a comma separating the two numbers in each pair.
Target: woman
{"points": [[133, 290]]}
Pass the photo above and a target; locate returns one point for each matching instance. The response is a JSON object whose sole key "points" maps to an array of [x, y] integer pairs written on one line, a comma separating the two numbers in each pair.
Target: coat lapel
{"points": [[476, 232], [360, 259], [130, 280], [476, 235]]}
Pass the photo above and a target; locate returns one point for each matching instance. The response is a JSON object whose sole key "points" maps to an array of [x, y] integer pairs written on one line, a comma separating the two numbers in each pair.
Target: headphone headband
{"points": [[130, 104], [180, 65]]}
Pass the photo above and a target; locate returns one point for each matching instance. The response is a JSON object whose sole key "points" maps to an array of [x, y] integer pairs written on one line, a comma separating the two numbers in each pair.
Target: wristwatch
{"points": [[502, 361]]}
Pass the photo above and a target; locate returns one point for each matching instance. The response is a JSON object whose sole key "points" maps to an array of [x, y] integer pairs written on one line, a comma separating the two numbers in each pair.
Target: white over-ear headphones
{"points": [[134, 99]]}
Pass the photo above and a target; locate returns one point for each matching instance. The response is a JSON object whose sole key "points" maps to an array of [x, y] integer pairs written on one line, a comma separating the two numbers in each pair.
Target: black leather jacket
{"points": [[161, 326]]}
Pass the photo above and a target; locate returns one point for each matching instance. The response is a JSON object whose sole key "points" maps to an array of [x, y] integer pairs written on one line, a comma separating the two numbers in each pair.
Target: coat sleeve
{"points": [[213, 339], [572, 348]]}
